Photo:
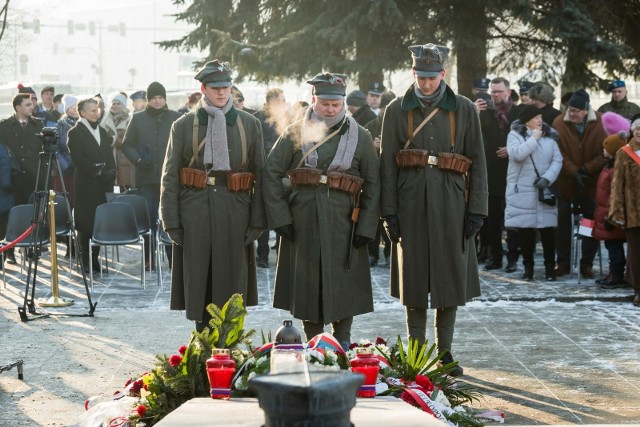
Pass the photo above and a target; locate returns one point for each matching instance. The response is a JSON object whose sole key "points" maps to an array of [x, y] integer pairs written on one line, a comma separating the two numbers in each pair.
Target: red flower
{"points": [[137, 385], [141, 410], [175, 360], [425, 383], [182, 349], [380, 341], [408, 398], [352, 346]]}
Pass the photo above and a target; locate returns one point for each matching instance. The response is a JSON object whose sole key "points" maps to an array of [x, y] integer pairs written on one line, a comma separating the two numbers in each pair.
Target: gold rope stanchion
{"points": [[55, 300]]}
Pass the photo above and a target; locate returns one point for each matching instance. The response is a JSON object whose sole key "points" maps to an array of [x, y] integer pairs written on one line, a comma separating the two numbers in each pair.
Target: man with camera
{"points": [[434, 197], [496, 116], [19, 133]]}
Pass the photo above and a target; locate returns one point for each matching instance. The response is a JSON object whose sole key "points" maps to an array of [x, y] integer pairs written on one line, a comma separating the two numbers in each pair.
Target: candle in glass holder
{"points": [[220, 370], [366, 363]]}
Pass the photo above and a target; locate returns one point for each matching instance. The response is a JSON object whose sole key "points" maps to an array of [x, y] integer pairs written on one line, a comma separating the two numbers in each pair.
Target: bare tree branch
{"points": [[4, 11]]}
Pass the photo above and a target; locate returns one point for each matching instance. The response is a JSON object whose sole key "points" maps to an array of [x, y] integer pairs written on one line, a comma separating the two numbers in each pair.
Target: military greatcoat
{"points": [[433, 255], [312, 280], [214, 259]]}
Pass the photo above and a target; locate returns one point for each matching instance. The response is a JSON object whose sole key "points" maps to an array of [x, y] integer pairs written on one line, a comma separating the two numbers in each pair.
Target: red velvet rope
{"points": [[19, 239]]}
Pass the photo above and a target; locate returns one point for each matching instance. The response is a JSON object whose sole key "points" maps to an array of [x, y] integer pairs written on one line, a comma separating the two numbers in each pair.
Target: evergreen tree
{"points": [[274, 39]]}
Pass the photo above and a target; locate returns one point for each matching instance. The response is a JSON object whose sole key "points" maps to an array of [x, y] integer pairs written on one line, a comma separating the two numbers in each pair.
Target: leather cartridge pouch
{"points": [[344, 182], [453, 162], [304, 176], [240, 181], [193, 178], [412, 158]]}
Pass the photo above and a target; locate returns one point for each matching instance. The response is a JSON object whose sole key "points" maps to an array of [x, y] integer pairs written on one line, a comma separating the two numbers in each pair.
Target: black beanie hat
{"points": [[580, 100], [528, 112], [156, 89]]}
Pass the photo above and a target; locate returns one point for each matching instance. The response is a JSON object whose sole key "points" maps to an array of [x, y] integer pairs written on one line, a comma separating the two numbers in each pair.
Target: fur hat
{"points": [[543, 92], [614, 123], [614, 142]]}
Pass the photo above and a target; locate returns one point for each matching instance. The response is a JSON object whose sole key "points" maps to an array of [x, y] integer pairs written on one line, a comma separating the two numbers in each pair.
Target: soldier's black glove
{"points": [[144, 164], [392, 227], [581, 178], [360, 241], [176, 234], [287, 231], [474, 224]]}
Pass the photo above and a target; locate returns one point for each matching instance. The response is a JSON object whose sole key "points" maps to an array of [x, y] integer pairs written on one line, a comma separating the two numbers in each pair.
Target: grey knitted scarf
{"points": [[433, 99], [216, 148], [346, 146]]}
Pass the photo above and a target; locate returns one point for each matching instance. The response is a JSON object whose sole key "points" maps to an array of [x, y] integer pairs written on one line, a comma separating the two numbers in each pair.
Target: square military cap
{"points": [[214, 74], [328, 86], [428, 59]]}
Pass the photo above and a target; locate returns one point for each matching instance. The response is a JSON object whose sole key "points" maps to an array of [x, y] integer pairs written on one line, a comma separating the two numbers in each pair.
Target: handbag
{"points": [[545, 195]]}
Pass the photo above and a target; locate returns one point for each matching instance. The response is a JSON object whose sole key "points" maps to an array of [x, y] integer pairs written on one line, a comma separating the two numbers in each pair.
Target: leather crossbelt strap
{"points": [[197, 147], [420, 126], [322, 141]]}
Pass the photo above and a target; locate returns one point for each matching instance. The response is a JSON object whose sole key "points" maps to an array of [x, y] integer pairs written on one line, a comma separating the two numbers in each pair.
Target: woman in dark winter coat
{"points": [[95, 174], [534, 164]]}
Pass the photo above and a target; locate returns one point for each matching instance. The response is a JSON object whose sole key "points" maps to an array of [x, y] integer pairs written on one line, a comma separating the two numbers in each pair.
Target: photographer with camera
{"points": [[496, 116], [95, 172], [534, 164]]}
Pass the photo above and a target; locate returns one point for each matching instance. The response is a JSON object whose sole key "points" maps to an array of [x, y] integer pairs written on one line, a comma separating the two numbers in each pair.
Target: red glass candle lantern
{"points": [[220, 369], [366, 363]]}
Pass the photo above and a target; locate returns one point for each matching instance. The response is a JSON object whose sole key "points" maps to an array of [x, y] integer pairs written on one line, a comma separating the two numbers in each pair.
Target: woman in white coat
{"points": [[534, 164]]}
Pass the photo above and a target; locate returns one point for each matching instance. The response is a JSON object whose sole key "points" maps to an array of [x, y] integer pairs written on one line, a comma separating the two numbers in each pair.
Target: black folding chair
{"points": [[115, 225], [19, 221], [141, 209]]}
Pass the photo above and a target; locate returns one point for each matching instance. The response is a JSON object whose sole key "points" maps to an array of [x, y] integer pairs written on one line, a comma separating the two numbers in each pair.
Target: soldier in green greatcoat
{"points": [[329, 160], [434, 197], [211, 203]]}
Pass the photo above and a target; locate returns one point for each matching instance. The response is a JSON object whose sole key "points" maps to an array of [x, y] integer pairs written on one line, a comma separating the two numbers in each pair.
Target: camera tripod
{"points": [[48, 157]]}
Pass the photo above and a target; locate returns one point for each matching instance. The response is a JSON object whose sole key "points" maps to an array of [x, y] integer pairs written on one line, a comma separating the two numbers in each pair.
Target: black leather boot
{"points": [[550, 272], [528, 272]]}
